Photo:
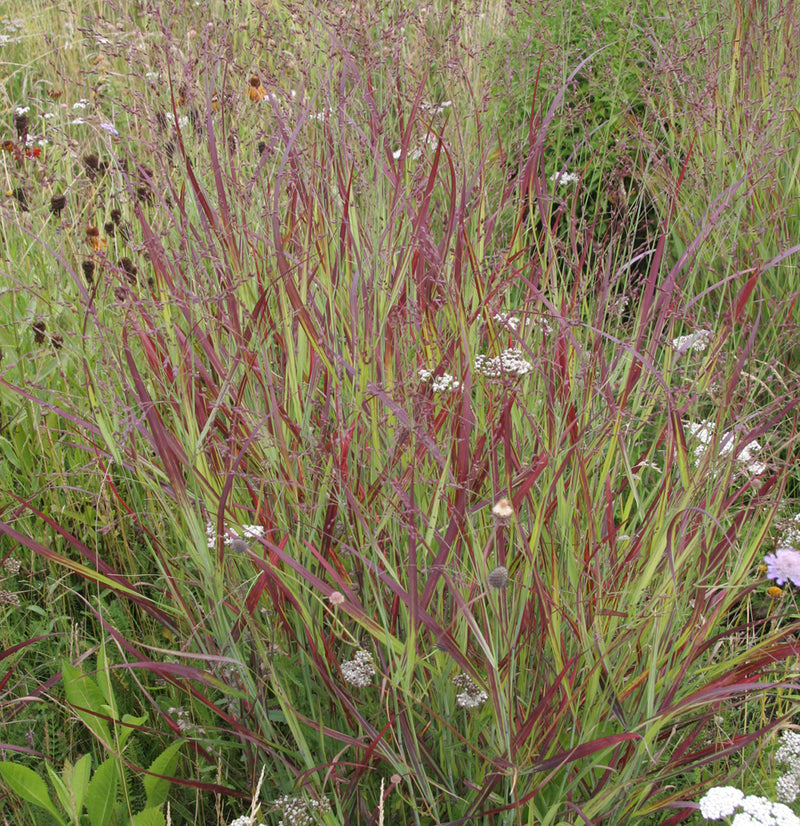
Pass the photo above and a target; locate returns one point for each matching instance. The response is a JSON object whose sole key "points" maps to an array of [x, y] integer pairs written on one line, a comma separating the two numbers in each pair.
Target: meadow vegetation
{"points": [[398, 402]]}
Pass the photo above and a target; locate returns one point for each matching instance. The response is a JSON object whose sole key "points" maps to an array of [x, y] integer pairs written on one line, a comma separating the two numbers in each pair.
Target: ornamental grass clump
{"points": [[291, 547]]}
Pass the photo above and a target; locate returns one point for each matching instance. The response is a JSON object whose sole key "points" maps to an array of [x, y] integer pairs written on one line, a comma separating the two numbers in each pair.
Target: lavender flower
{"points": [[784, 566]]}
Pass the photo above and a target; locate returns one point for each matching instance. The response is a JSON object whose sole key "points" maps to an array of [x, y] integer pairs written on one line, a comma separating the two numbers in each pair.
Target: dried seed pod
{"points": [[57, 204], [129, 268], [22, 123]]}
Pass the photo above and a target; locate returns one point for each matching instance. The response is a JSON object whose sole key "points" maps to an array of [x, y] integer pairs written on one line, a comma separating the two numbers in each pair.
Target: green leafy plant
{"points": [[103, 796]]}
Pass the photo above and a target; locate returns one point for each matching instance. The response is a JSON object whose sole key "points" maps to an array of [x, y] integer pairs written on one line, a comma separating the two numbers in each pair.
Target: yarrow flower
{"points": [[360, 670], [230, 535], [759, 811], [703, 431], [435, 108], [508, 320], [509, 362], [470, 695], [299, 811], [698, 341], [245, 820], [784, 566], [787, 786], [790, 538], [565, 178], [441, 384], [723, 801]]}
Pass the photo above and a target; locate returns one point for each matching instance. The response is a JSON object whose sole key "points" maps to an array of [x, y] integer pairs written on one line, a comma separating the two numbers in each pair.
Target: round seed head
{"points": [[503, 510], [239, 546], [498, 577]]}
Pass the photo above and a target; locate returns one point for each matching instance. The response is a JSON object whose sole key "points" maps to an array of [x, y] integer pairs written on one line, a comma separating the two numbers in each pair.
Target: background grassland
{"points": [[275, 215]]}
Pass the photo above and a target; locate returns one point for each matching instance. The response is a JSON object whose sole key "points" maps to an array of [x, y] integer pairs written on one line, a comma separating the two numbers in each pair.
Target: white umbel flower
{"points": [[510, 362], [698, 342], [360, 670], [721, 801]]}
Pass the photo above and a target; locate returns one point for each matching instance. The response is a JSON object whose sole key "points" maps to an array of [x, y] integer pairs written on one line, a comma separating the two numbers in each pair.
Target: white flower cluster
{"points": [[565, 178], [787, 786], [245, 820], [441, 384], [508, 320], [299, 811], [790, 538], [470, 695], [435, 108], [698, 341], [416, 152], [704, 433], [230, 535], [360, 670], [723, 801], [509, 361], [183, 721]]}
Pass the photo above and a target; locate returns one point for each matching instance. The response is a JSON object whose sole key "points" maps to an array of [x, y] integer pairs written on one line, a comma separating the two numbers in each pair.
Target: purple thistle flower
{"points": [[783, 566]]}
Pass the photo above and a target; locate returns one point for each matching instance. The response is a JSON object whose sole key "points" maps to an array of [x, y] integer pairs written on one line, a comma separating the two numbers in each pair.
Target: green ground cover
{"points": [[398, 403]]}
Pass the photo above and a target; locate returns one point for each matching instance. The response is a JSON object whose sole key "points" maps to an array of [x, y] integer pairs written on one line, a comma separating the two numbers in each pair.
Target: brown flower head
{"points": [[39, 329], [256, 90], [57, 204], [129, 268], [92, 164], [21, 198], [88, 270], [94, 240], [21, 122], [56, 341], [116, 216]]}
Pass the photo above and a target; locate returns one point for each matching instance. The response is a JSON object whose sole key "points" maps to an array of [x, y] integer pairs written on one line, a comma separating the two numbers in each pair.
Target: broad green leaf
{"points": [[149, 817], [84, 695], [124, 732], [62, 792], [79, 782], [104, 681], [155, 788], [102, 795], [30, 787]]}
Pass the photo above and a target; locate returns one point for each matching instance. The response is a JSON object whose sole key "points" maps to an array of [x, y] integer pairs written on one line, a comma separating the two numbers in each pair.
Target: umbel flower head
{"points": [[470, 695], [300, 811], [510, 362], [360, 670], [723, 801]]}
